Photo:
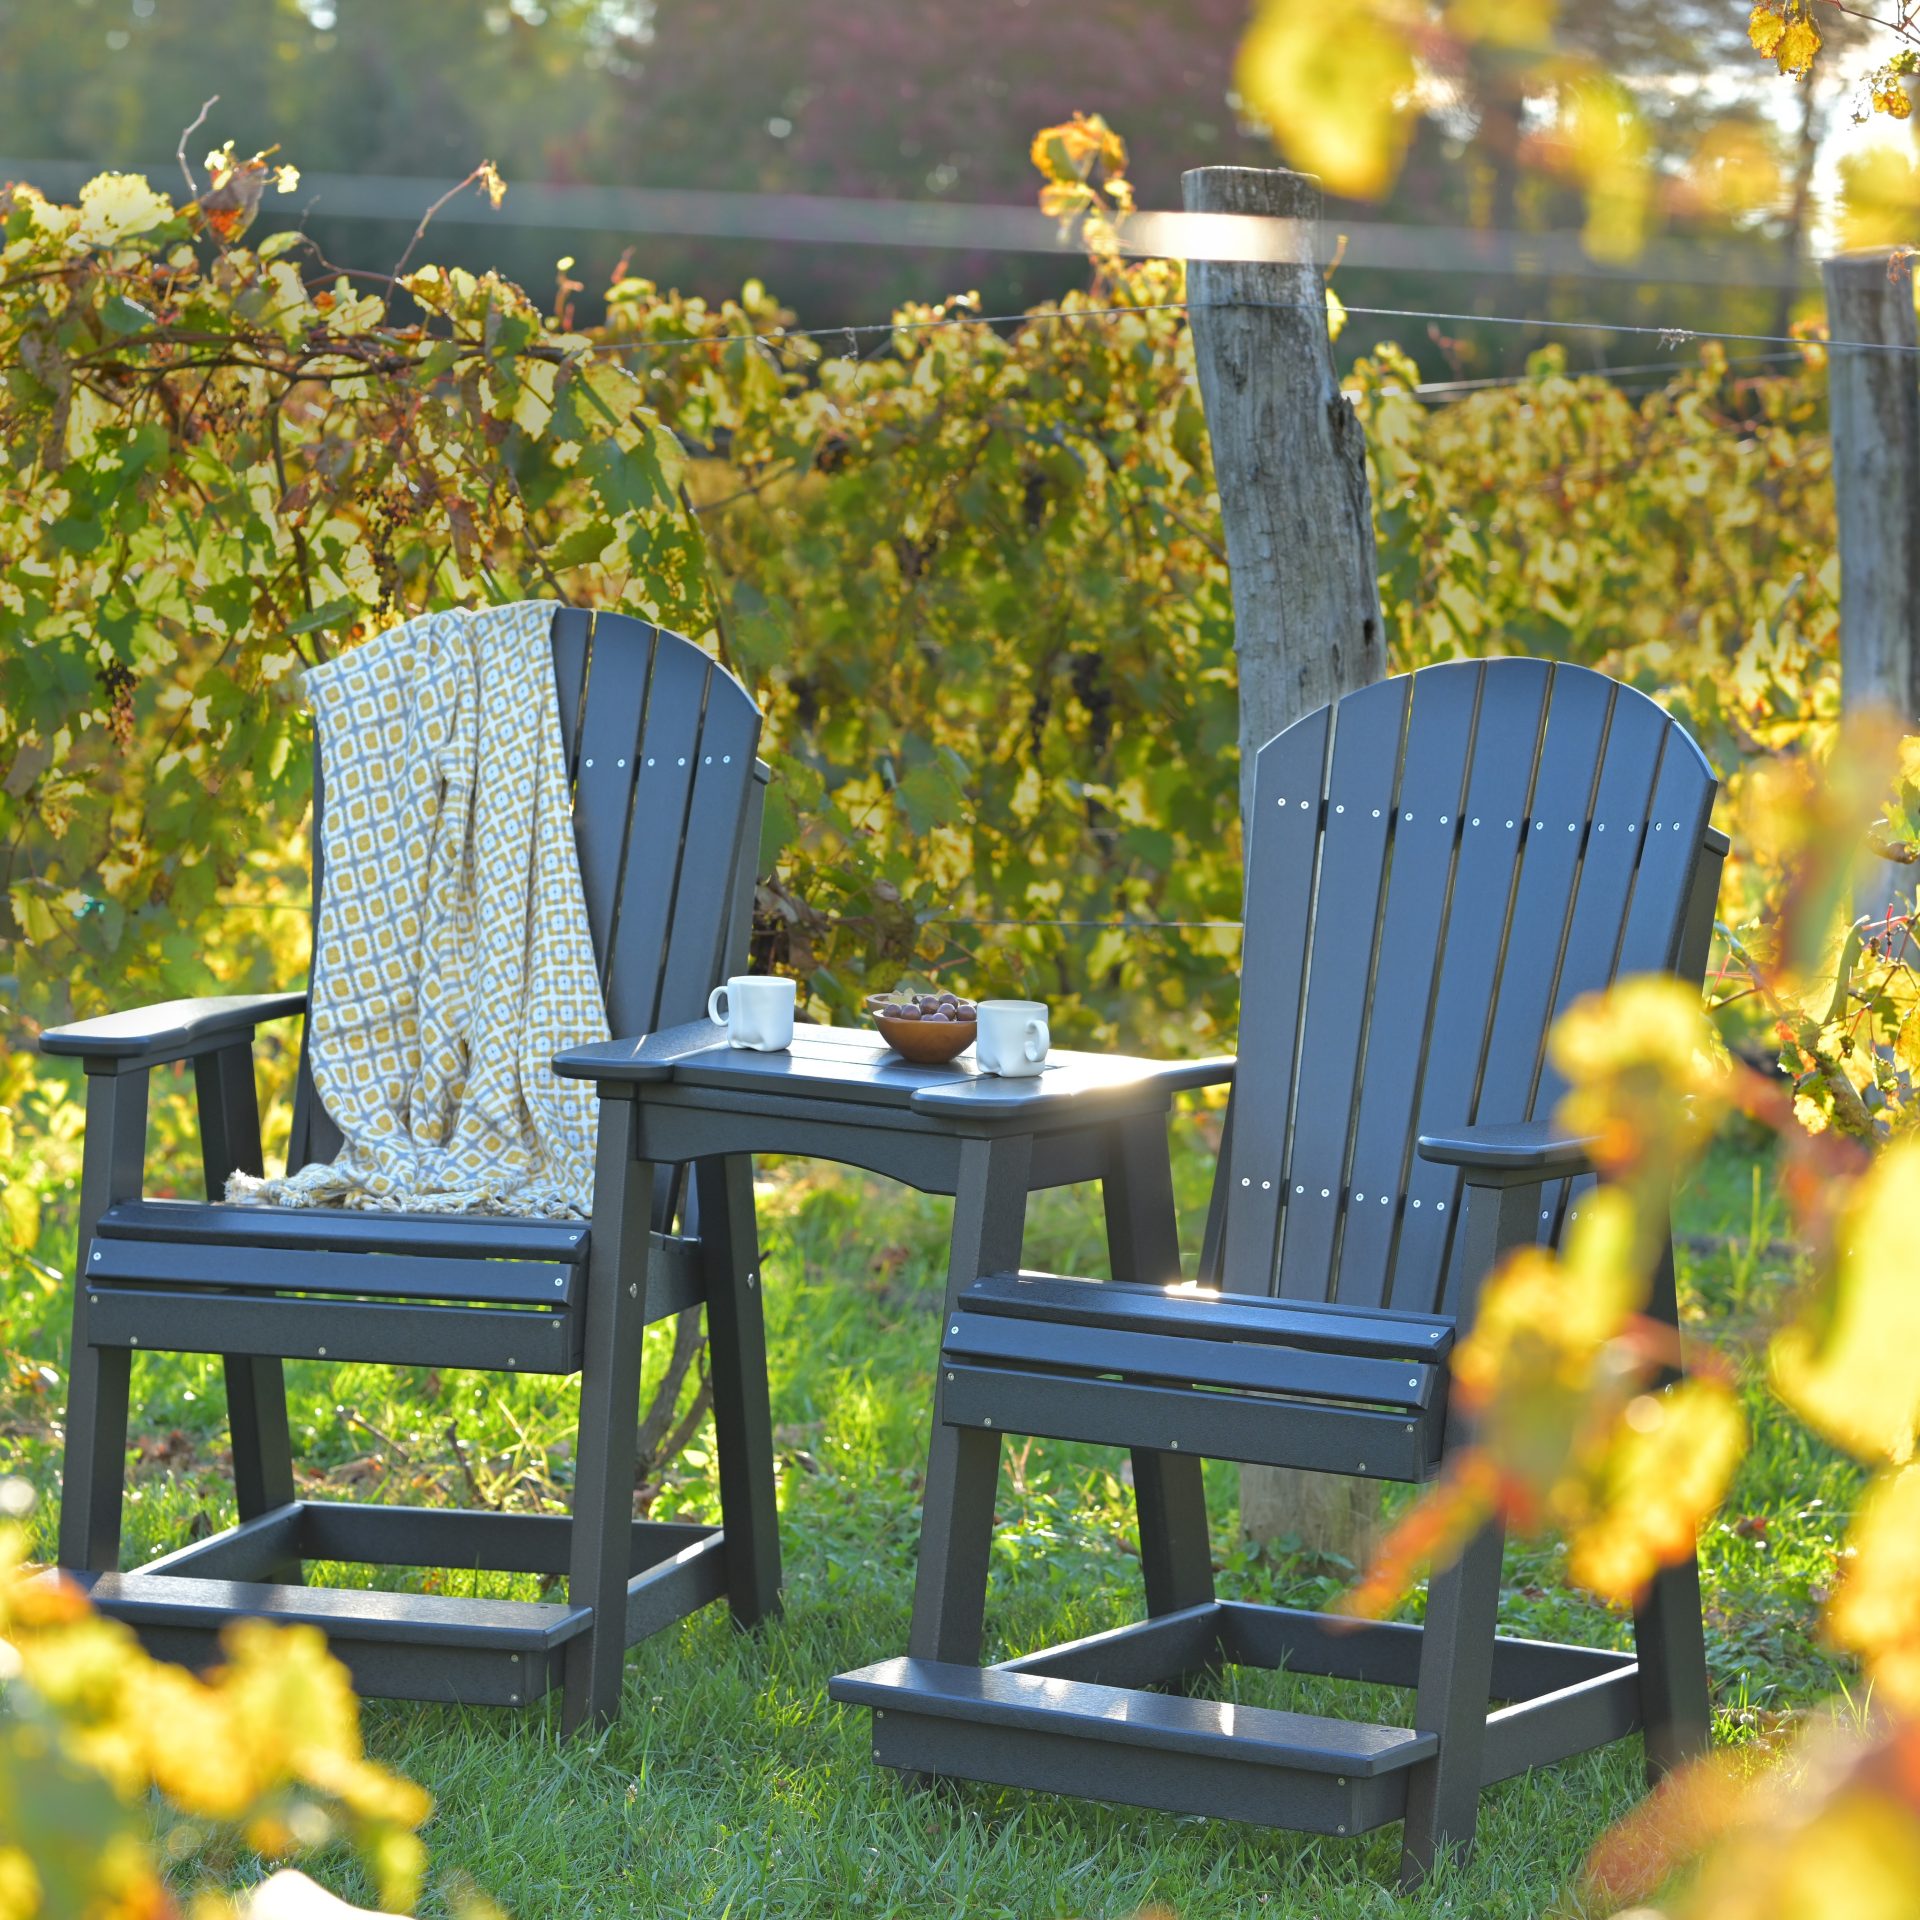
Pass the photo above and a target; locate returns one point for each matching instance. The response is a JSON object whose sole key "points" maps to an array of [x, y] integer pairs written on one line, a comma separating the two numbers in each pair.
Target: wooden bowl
{"points": [[927, 1043]]}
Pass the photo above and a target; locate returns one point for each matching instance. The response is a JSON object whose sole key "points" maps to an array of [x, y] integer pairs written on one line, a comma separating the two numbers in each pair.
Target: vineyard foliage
{"points": [[974, 574]]}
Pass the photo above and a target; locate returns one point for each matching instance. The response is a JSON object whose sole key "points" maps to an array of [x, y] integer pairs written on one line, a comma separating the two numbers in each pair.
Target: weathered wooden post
{"points": [[1873, 405], [1873, 397], [1289, 462]]}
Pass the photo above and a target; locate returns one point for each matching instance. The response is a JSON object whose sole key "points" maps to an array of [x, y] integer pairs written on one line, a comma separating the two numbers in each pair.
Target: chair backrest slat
{"points": [[1433, 770], [646, 905], [1284, 849], [662, 853], [1541, 830], [715, 851], [613, 707], [1361, 795], [1486, 867], [1669, 851], [1636, 734], [572, 636]]}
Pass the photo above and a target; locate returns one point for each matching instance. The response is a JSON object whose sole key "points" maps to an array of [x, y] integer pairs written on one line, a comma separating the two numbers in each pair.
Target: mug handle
{"points": [[1035, 1041], [715, 1011]]}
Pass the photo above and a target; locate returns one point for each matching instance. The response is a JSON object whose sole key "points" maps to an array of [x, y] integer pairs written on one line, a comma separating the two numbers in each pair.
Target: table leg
{"points": [[963, 1464], [742, 1419], [1143, 1243]]}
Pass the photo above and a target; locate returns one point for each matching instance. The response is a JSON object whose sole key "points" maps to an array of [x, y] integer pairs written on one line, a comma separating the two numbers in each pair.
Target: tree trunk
{"points": [[1289, 463]]}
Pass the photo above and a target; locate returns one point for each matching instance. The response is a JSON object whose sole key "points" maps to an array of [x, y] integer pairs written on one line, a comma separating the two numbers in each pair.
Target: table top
{"points": [[853, 1065]]}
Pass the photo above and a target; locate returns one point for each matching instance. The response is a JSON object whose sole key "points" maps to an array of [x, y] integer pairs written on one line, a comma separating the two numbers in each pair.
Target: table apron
{"points": [[921, 1153]]}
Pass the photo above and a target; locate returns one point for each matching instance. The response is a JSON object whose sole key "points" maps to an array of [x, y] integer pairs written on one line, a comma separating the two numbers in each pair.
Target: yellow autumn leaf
{"points": [[1906, 1043], [1850, 1366], [1665, 1469], [1073, 149], [1641, 1062], [1797, 47], [1875, 1612], [116, 205], [1335, 85], [533, 403], [1765, 25]]}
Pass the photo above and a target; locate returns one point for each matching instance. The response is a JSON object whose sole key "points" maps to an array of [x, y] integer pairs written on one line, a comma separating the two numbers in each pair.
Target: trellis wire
{"points": [[1671, 337]]}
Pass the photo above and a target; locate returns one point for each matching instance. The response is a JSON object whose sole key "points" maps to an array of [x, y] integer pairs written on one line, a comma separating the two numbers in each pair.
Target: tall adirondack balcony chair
{"points": [[1438, 865], [666, 803]]}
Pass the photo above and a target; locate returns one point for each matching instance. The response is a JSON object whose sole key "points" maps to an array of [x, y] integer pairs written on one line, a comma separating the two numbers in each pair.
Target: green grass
{"points": [[731, 1784]]}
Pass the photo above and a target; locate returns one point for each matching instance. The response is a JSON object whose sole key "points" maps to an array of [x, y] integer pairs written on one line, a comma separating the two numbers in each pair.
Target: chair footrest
{"points": [[1074, 1719], [1147, 1749], [407, 1646], [1119, 1715], [400, 1646]]}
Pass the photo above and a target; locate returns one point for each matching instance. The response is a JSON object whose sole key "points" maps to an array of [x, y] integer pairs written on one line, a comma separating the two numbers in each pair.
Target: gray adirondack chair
{"points": [[1438, 865], [667, 794]]}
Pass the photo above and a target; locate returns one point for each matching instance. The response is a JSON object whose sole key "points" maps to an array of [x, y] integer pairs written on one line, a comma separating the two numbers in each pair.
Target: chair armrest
{"points": [[172, 1030], [1511, 1153], [1188, 1076]]}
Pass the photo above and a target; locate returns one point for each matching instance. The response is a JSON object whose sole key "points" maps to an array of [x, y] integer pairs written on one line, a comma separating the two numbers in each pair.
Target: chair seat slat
{"points": [[336, 1229], [278, 1270], [1249, 1367], [1130, 1305]]}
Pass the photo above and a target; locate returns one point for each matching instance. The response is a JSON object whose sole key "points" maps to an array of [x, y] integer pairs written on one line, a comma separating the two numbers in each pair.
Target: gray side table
{"points": [[842, 1094]]}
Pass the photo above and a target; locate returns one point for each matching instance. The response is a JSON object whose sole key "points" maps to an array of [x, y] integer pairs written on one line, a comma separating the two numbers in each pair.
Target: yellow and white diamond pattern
{"points": [[452, 957]]}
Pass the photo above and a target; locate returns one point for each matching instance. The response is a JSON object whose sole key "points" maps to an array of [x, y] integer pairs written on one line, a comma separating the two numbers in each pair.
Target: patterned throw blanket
{"points": [[452, 957]]}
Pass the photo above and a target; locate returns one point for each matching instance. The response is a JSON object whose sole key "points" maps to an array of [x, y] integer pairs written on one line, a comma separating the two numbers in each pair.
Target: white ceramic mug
{"points": [[1013, 1037], [757, 1011]]}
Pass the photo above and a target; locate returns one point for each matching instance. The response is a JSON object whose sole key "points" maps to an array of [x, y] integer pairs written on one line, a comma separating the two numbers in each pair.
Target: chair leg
{"points": [[963, 1464], [229, 1112], [1456, 1680], [1675, 1696], [262, 1446], [607, 1442], [1143, 1243], [737, 1355], [93, 1474]]}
